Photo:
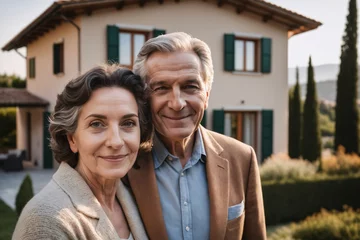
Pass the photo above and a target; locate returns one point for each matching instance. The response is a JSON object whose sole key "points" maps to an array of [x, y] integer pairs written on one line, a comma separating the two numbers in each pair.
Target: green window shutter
{"points": [[266, 55], [218, 121], [112, 44], [47, 153], [56, 61], [32, 68], [203, 120], [158, 32], [229, 52], [266, 133]]}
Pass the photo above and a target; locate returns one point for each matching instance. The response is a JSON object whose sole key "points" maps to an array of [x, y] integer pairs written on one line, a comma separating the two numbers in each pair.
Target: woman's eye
{"points": [[129, 124], [97, 124]]}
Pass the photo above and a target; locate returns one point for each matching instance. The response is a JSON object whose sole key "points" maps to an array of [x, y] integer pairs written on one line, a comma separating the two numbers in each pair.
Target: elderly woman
{"points": [[100, 122]]}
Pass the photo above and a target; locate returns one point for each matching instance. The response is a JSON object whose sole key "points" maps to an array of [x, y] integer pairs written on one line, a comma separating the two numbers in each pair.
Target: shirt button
{"points": [[185, 203], [187, 228], [182, 174], [170, 158]]}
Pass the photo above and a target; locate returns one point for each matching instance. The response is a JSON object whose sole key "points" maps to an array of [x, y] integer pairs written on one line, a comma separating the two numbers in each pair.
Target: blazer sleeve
{"points": [[33, 225], [254, 226]]}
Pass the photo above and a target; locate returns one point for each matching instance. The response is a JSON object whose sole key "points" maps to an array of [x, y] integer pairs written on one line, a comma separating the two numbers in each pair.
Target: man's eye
{"points": [[191, 87], [161, 88], [129, 124], [97, 124]]}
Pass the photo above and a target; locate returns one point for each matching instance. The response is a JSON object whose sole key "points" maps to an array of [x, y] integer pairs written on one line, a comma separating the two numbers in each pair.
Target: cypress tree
{"points": [[311, 132], [346, 125], [295, 120]]}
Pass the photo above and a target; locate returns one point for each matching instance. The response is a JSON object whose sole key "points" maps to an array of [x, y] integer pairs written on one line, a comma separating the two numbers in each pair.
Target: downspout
{"points": [[20, 54], [78, 30]]}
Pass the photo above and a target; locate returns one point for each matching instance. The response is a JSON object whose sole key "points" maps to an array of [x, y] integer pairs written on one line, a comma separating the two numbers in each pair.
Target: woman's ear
{"points": [[72, 143]]}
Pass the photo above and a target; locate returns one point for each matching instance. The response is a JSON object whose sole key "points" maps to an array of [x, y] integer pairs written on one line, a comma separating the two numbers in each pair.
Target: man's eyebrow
{"points": [[156, 83]]}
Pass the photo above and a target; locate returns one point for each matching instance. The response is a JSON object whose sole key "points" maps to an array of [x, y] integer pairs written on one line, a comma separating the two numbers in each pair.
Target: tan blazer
{"points": [[233, 180], [66, 208]]}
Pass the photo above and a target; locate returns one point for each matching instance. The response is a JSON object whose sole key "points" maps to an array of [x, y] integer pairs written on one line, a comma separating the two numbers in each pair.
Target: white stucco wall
{"points": [[45, 84], [208, 22]]}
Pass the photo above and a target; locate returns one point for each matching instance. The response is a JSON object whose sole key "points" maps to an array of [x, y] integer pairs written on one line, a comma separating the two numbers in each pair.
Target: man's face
{"points": [[178, 93]]}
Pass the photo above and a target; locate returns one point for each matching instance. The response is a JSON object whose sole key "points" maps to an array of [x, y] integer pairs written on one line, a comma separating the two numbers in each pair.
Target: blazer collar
{"points": [[143, 184], [217, 171], [70, 181]]}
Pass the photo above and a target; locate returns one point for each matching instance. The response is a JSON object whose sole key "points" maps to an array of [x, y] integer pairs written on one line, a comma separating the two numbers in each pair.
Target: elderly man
{"points": [[195, 183]]}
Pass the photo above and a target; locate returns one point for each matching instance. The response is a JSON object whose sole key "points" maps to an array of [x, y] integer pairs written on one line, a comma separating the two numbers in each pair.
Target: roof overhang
{"points": [[16, 97], [68, 9]]}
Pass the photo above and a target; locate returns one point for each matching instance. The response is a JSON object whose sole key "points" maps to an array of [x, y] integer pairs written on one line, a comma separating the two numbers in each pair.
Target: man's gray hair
{"points": [[176, 42]]}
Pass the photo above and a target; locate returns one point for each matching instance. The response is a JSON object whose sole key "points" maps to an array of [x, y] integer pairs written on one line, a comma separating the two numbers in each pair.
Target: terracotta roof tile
{"points": [[15, 97]]}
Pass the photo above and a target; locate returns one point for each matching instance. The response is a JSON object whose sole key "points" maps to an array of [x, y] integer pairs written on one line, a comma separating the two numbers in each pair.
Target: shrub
{"points": [[326, 225], [8, 128], [280, 167], [341, 163], [24, 195], [293, 201]]}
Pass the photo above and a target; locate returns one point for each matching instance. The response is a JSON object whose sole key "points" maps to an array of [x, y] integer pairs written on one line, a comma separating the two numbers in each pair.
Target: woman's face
{"points": [[107, 136]]}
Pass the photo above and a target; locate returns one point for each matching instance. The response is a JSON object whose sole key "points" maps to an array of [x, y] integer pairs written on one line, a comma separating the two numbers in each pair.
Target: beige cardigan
{"points": [[66, 208]]}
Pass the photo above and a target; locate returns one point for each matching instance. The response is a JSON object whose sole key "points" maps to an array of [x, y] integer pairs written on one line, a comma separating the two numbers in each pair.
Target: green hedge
{"points": [[8, 128], [285, 202]]}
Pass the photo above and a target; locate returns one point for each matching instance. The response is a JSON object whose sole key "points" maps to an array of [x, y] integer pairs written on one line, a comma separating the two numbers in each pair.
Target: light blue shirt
{"points": [[184, 195]]}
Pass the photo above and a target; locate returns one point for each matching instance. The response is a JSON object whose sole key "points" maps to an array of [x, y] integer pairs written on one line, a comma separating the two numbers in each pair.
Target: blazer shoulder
{"points": [[230, 144]]}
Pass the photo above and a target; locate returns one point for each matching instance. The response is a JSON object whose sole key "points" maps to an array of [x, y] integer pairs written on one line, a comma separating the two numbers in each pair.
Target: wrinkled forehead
{"points": [[173, 61]]}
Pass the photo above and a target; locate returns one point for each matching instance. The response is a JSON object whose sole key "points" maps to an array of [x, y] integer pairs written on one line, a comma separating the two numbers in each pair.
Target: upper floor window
{"points": [[58, 55], [247, 53], [124, 44], [31, 68], [130, 44]]}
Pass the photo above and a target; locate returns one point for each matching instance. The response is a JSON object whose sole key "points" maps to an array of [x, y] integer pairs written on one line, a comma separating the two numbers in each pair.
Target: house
{"points": [[248, 39]]}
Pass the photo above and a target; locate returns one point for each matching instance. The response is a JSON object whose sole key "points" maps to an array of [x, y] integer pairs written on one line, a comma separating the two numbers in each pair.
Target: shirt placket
{"points": [[185, 205]]}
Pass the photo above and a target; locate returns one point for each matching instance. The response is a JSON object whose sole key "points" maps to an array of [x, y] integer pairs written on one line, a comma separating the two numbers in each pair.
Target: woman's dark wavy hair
{"points": [[78, 91]]}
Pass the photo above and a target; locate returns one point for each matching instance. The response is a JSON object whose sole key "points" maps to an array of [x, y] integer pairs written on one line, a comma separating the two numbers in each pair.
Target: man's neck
{"points": [[181, 148]]}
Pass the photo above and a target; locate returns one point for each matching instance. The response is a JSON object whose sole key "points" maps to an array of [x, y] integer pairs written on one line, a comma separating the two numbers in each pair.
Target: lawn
{"points": [[7, 221]]}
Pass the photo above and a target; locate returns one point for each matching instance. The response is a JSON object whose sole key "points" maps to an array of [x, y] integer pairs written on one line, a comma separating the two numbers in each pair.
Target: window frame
{"points": [[240, 122], [132, 33], [256, 41]]}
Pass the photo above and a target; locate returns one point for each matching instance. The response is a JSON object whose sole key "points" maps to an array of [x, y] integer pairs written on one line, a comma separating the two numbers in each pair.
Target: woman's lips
{"points": [[114, 158]]}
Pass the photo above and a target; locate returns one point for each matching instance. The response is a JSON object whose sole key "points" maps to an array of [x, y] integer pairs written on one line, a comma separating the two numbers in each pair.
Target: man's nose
{"points": [[114, 138], [177, 101]]}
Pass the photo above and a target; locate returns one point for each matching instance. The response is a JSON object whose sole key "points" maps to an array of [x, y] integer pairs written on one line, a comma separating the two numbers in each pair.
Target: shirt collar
{"points": [[160, 153]]}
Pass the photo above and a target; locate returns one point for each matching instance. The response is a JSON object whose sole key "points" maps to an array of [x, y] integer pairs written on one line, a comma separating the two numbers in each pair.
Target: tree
{"points": [[311, 144], [294, 145], [347, 116]]}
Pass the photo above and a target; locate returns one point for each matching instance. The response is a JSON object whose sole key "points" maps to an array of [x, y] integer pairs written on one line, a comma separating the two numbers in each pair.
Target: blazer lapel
{"points": [[84, 200], [131, 212], [144, 186], [218, 183]]}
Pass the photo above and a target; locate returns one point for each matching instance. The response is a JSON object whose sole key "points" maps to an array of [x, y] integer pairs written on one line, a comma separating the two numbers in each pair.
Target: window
{"points": [[31, 68], [247, 54], [123, 44], [58, 54], [130, 44], [242, 126]]}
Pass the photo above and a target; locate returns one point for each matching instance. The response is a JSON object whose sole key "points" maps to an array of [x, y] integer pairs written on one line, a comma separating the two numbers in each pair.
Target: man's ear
{"points": [[206, 103], [72, 143]]}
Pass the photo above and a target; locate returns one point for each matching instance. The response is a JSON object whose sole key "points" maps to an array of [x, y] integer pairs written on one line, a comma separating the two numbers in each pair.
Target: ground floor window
{"points": [[242, 126]]}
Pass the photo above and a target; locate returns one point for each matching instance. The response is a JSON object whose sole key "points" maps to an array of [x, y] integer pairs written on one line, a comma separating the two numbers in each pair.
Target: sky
{"points": [[323, 43]]}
